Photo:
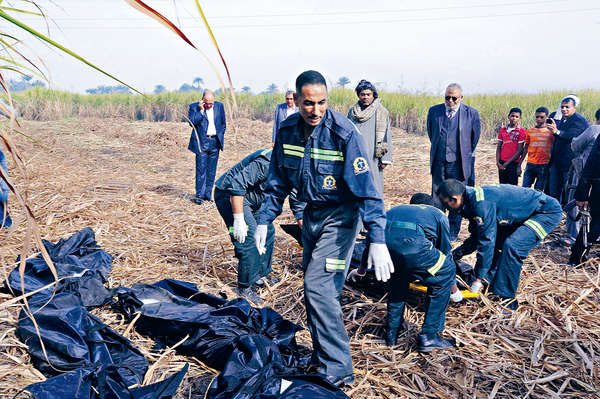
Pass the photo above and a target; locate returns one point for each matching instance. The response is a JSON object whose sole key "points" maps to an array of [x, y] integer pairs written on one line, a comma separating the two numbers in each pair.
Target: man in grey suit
{"points": [[283, 111], [453, 129]]}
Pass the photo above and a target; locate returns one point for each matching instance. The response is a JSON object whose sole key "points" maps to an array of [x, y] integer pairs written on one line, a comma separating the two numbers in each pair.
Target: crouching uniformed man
{"points": [[239, 193], [320, 153], [523, 215], [418, 238]]}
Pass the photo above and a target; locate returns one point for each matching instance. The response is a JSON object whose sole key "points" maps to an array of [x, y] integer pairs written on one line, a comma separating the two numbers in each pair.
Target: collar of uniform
{"points": [[325, 121], [468, 198]]}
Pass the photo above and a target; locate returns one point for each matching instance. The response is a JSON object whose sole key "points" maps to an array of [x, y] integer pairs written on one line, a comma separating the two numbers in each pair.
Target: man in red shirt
{"points": [[511, 140]]}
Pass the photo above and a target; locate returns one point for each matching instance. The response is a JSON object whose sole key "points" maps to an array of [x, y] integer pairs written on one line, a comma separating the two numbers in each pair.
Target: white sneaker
{"points": [[457, 296], [476, 286]]}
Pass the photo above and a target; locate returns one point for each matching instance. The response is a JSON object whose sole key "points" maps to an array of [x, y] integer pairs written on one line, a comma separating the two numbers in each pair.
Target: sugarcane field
{"points": [[128, 181], [410, 208]]}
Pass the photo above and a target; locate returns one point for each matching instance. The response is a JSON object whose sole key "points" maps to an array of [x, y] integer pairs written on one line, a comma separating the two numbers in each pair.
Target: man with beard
{"points": [[373, 121]]}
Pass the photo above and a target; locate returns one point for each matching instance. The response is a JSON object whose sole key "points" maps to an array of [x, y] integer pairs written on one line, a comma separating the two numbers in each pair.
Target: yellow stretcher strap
{"points": [[422, 288]]}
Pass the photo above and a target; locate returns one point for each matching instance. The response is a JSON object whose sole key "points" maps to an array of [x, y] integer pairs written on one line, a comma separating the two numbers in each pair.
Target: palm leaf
{"points": [[146, 9], [214, 40], [60, 47]]}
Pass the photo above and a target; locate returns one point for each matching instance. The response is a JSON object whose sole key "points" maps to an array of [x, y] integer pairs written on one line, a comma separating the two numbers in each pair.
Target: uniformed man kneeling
{"points": [[418, 238], [239, 193], [509, 221]]}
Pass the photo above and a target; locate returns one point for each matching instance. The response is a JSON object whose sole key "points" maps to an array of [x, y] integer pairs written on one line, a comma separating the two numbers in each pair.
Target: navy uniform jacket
{"points": [[328, 169], [248, 179], [561, 150], [500, 204], [469, 130], [199, 123], [429, 219], [590, 177]]}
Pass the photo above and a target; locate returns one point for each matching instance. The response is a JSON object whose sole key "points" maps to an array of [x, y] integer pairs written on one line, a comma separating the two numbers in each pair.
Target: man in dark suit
{"points": [[283, 111], [207, 118], [453, 129], [570, 125]]}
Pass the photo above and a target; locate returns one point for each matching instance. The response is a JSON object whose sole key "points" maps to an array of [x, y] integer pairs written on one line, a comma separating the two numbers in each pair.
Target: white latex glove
{"points": [[240, 230], [354, 275], [260, 237], [379, 258]]}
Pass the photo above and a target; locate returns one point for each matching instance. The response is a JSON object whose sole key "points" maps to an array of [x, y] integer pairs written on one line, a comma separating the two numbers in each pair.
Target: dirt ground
{"points": [[131, 183]]}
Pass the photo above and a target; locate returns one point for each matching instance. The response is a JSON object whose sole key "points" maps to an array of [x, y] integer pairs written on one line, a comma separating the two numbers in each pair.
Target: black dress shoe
{"points": [[250, 295], [430, 342], [340, 381], [197, 201]]}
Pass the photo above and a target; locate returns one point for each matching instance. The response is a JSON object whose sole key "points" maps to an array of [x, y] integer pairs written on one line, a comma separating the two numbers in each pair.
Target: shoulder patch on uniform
{"points": [[479, 194], [360, 165], [329, 183]]}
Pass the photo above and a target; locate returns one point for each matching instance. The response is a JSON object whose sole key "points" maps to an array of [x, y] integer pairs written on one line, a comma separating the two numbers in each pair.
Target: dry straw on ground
{"points": [[131, 183]]}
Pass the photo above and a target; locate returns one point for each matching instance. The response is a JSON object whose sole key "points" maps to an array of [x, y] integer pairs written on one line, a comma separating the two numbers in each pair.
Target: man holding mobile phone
{"points": [[570, 125], [207, 118]]}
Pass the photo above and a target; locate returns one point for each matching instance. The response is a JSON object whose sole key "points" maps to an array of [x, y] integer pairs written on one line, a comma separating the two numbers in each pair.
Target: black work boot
{"points": [[395, 318], [429, 342]]}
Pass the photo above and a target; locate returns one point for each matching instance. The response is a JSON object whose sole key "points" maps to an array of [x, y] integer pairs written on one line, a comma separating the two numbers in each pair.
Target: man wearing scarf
{"points": [[373, 121]]}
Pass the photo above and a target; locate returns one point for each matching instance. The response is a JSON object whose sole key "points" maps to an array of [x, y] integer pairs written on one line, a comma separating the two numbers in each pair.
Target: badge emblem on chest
{"points": [[329, 183], [360, 165]]}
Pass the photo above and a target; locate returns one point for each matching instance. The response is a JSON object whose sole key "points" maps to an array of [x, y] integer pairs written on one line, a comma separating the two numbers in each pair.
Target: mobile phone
{"points": [[549, 121]]}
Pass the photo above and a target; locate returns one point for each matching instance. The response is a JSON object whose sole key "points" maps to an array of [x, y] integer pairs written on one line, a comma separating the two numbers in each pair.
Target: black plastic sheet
{"points": [[73, 338], [78, 259], [103, 382], [213, 326], [256, 370], [255, 348]]}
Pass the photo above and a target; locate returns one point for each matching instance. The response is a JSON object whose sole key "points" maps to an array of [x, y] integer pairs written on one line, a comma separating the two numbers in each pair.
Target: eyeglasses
{"points": [[448, 98]]}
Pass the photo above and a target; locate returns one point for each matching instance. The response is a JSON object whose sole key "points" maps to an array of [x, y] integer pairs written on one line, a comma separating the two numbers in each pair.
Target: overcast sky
{"points": [[488, 46]]}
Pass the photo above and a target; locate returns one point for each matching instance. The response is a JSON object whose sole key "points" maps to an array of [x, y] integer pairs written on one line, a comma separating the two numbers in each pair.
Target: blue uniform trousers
{"points": [[506, 273], [415, 258], [251, 265], [206, 168], [328, 238]]}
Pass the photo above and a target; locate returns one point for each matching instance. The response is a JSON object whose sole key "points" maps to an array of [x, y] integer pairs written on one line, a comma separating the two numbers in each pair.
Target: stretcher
{"points": [[422, 288]]}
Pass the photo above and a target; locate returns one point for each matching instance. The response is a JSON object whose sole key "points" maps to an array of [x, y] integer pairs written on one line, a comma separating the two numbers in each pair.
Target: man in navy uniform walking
{"points": [[320, 153]]}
